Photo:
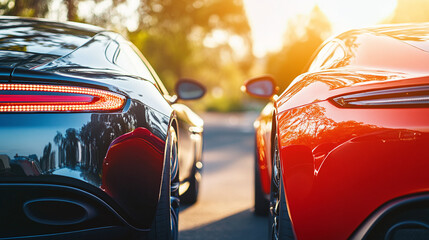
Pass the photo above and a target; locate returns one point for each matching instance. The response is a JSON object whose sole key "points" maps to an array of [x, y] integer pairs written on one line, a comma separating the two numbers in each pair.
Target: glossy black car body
{"points": [[102, 172]]}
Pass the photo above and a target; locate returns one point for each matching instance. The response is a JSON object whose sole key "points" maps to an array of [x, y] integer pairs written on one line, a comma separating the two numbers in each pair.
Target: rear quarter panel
{"points": [[340, 165], [121, 154], [86, 146]]}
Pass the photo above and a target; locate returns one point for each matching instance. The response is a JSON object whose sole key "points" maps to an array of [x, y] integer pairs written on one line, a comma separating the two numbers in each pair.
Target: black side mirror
{"points": [[261, 87], [188, 89]]}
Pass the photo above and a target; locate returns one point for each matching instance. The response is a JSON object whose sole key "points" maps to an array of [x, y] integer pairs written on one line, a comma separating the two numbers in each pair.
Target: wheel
{"points": [[166, 223], [262, 204], [279, 226], [191, 195]]}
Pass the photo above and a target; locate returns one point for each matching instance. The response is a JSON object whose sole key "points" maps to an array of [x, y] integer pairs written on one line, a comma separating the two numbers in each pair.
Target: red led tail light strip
{"points": [[51, 98], [412, 96]]}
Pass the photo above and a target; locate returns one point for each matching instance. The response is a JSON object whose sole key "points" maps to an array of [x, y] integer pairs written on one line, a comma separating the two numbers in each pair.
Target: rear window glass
{"points": [[41, 37]]}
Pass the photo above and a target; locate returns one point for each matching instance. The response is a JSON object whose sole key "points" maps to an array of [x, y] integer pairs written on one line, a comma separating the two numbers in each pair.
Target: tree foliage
{"points": [[172, 35], [26, 8], [304, 36]]}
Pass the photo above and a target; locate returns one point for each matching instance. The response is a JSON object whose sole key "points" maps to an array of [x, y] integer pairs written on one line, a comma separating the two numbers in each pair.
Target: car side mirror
{"points": [[188, 89], [261, 87]]}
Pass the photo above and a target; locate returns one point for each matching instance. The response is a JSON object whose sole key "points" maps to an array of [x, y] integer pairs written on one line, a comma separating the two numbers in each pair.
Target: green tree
{"points": [[37, 8], [298, 49], [173, 35], [25, 8]]}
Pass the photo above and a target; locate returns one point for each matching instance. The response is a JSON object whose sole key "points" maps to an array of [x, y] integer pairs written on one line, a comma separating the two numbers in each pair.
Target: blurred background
{"points": [[221, 43]]}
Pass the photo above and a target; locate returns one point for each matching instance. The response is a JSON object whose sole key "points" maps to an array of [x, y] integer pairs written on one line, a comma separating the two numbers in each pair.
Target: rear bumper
{"points": [[108, 233], [116, 155], [84, 215]]}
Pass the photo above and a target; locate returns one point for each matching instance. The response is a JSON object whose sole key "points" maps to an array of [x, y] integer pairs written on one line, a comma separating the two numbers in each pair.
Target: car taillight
{"points": [[417, 96], [51, 98]]}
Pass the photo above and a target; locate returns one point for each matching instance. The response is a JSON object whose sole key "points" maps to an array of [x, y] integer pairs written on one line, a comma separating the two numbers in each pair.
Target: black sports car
{"points": [[91, 142]]}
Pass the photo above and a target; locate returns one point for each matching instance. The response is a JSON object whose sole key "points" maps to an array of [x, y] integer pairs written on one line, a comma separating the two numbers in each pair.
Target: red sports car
{"points": [[343, 153]]}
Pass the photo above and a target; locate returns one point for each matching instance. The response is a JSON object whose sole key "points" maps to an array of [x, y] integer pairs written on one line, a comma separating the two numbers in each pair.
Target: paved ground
{"points": [[224, 209]]}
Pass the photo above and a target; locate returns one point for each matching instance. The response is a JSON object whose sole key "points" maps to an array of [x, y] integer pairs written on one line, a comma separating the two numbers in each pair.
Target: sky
{"points": [[268, 19]]}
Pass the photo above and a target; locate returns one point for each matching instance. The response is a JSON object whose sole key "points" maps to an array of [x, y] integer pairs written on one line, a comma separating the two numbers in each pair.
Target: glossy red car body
{"points": [[341, 165]]}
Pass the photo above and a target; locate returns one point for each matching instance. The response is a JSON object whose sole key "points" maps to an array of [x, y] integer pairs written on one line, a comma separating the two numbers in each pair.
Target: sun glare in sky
{"points": [[269, 18]]}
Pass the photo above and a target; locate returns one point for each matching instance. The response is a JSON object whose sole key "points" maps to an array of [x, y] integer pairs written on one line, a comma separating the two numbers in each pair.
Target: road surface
{"points": [[224, 208]]}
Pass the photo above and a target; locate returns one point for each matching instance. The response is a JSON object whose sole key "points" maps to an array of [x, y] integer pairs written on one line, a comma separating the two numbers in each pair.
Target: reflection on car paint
{"points": [[76, 152]]}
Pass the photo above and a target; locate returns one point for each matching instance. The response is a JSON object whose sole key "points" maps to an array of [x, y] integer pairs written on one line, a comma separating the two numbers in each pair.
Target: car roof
{"points": [[415, 34]]}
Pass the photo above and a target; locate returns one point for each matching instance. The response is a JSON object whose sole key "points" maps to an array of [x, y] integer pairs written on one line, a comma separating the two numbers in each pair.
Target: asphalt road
{"points": [[224, 208]]}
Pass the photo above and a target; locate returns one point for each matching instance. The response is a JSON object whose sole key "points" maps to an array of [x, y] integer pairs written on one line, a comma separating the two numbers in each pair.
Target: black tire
{"points": [[262, 204], [191, 195], [166, 222], [279, 224], [285, 225]]}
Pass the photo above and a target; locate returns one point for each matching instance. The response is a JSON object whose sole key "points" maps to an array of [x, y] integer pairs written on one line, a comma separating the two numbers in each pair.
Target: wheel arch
{"points": [[264, 137], [174, 122]]}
